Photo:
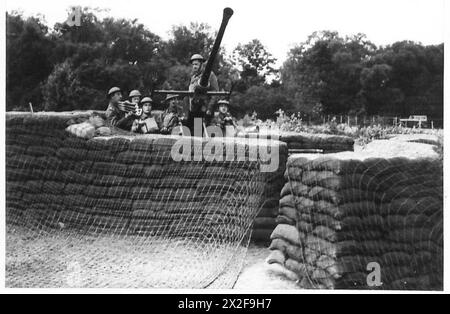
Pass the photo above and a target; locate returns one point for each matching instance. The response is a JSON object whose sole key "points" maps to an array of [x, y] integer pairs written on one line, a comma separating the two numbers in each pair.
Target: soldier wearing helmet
{"points": [[134, 96], [170, 117], [114, 116], [223, 118], [146, 123], [206, 105]]}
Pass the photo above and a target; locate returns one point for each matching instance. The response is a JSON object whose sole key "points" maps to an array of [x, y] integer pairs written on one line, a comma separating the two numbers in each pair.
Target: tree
{"points": [[255, 63], [28, 61], [405, 78], [188, 40], [262, 99], [325, 72]]}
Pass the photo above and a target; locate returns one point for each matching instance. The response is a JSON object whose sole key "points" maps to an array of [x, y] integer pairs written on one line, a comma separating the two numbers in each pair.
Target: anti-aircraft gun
{"points": [[197, 95]]}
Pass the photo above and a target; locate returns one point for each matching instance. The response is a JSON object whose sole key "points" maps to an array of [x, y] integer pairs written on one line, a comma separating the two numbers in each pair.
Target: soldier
{"points": [[146, 123], [223, 119], [202, 107], [134, 96], [115, 116], [170, 117]]}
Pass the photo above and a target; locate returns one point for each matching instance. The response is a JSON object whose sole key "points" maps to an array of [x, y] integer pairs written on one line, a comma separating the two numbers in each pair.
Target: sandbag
{"points": [[83, 130], [276, 257], [289, 233]]}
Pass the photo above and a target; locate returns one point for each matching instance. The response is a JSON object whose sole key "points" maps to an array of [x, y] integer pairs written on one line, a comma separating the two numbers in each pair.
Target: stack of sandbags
{"points": [[265, 222], [326, 143], [341, 212], [132, 184]]}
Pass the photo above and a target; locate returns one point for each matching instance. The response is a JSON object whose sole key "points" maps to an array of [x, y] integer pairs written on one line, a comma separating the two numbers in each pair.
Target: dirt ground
{"points": [[259, 275], [72, 260]]}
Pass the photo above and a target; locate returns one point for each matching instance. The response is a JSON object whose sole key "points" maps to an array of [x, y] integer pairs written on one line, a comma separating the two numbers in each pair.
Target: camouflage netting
{"points": [[119, 211], [340, 212]]}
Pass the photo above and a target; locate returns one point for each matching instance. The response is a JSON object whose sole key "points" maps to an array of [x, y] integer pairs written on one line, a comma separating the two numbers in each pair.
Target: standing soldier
{"points": [[202, 107], [170, 117], [115, 116]]}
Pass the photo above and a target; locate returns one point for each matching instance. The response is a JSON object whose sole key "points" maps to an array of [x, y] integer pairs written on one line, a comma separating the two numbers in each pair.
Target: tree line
{"points": [[71, 68]]}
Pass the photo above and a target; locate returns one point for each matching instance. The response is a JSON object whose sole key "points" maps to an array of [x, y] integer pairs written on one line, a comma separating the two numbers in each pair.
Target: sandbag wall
{"points": [[340, 213], [266, 220], [126, 184], [326, 143]]}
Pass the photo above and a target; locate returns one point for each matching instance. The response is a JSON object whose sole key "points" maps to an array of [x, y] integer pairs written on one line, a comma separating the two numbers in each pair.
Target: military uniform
{"points": [[146, 123], [202, 104], [222, 120], [116, 117], [170, 117]]}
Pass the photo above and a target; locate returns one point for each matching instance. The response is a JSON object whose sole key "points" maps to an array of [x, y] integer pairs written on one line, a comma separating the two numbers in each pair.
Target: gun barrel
{"points": [[188, 93], [227, 13]]}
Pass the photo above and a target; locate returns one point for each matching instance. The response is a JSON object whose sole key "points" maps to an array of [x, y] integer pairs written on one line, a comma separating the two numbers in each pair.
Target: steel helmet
{"points": [[223, 102], [197, 57], [171, 96], [134, 93], [146, 100], [113, 90]]}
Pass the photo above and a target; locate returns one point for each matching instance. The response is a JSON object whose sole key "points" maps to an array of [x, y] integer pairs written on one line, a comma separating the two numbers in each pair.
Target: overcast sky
{"points": [[278, 24]]}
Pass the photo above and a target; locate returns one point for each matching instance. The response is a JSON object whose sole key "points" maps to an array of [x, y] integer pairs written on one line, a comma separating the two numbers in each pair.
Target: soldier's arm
{"points": [[135, 126], [111, 116], [122, 123]]}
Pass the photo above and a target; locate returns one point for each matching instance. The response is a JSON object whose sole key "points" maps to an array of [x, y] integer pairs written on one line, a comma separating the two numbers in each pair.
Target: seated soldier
{"points": [[223, 119], [114, 115], [146, 123], [170, 117], [134, 96]]}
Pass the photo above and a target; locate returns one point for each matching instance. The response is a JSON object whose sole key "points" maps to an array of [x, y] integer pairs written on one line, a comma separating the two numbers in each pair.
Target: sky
{"points": [[278, 24]]}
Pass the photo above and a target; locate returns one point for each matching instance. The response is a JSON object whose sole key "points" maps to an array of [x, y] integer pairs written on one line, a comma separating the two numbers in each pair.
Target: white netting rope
{"points": [[373, 223], [114, 213]]}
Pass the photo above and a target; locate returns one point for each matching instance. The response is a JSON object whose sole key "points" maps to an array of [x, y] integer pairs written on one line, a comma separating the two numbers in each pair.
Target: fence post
{"points": [[432, 125], [323, 119], [356, 120], [341, 119], [348, 120]]}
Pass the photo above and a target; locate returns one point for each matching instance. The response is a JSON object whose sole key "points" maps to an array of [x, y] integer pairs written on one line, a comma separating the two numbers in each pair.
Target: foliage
{"points": [[352, 75], [362, 135], [67, 68]]}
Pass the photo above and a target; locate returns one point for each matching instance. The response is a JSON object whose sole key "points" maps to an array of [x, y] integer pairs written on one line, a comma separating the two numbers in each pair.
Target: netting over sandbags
{"points": [[128, 211], [266, 220], [361, 221]]}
